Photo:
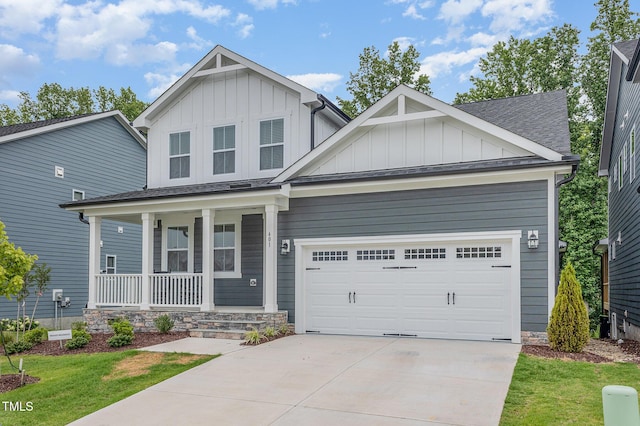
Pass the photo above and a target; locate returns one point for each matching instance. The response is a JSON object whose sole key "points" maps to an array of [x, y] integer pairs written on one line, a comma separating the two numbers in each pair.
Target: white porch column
{"points": [[147, 258], [270, 286], [208, 282], [94, 258]]}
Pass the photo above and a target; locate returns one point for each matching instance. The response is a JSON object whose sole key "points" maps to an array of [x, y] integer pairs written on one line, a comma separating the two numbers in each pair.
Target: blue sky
{"points": [[148, 44]]}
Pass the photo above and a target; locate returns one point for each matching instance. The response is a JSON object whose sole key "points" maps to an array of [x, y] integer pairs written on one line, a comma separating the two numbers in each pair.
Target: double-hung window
{"points": [[272, 144], [620, 172], [224, 150], [110, 263], [178, 248], [224, 247], [179, 155], [632, 154]]}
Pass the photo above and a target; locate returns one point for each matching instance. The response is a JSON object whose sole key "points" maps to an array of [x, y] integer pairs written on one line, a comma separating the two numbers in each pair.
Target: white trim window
{"points": [[624, 157], [226, 250], [620, 172], [272, 144], [110, 263], [632, 154], [77, 195], [224, 150], [178, 248], [179, 155]]}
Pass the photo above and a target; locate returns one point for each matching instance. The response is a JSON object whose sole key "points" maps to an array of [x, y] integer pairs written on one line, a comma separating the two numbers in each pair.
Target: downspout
{"points": [[574, 170], [82, 219], [313, 122]]}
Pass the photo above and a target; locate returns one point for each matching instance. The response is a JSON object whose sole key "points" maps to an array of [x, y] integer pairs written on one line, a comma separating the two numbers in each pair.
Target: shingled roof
{"points": [[23, 127], [540, 117]]}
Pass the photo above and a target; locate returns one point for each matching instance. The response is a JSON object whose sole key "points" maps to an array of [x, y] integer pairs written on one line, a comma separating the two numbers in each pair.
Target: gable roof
{"points": [[478, 115], [25, 130], [622, 53], [218, 60]]}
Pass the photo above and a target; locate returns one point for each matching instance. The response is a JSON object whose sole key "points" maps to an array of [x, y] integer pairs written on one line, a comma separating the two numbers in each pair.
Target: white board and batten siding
{"points": [[242, 98]]}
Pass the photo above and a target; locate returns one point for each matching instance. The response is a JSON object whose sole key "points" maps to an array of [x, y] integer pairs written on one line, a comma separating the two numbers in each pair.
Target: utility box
{"points": [[620, 405], [57, 295]]}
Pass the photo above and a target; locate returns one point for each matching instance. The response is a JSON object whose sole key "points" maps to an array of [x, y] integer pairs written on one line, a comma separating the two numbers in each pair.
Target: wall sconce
{"points": [[285, 247], [532, 239]]}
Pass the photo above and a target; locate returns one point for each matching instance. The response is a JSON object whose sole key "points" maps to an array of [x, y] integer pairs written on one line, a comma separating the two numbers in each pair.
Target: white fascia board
{"points": [[442, 108], [442, 181], [75, 122]]}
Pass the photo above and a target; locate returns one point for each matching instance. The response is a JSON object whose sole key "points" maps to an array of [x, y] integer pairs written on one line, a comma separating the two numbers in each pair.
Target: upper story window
{"points": [[224, 150], [632, 154], [620, 172], [77, 195], [272, 144], [179, 155], [178, 248]]}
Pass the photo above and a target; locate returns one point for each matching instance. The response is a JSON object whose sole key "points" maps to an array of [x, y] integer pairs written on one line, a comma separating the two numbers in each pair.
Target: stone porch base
{"points": [[534, 338]]}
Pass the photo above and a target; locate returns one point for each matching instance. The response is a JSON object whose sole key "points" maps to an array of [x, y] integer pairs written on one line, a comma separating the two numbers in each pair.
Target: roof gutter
{"points": [[313, 122], [574, 171]]}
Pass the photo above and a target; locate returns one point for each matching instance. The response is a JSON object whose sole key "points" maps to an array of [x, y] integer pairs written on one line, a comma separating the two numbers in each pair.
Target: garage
{"points": [[419, 286]]}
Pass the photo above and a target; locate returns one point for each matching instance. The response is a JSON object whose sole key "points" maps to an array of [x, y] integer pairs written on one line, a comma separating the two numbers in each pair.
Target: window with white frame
{"points": [[178, 248], [224, 150], [77, 195], [224, 247], [179, 155], [272, 144], [632, 154], [620, 172], [624, 158], [110, 264]]}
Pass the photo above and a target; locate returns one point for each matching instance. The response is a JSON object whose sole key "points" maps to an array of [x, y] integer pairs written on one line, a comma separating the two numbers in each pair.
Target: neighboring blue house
{"points": [[45, 163], [618, 161], [265, 202]]}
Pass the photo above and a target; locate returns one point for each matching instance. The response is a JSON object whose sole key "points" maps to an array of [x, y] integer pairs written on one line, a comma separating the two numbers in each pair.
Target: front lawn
{"points": [[555, 392], [72, 386]]}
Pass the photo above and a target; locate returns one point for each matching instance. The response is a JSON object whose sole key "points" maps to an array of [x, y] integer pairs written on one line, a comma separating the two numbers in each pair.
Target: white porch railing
{"points": [[119, 289], [165, 289], [176, 289]]}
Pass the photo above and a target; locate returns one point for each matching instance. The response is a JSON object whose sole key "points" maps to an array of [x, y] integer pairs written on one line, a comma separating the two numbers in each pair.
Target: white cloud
{"points": [[16, 62], [455, 11], [161, 81], [484, 39], [245, 25], [25, 16], [197, 42], [512, 15], [10, 96], [123, 54], [323, 82], [443, 62], [404, 42], [413, 8], [270, 4]]}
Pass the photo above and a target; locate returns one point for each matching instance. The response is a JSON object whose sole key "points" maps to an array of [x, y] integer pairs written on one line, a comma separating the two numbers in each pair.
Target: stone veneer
{"points": [[97, 319], [534, 338]]}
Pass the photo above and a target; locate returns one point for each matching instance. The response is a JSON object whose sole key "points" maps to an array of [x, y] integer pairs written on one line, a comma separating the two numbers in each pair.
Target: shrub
{"points": [[23, 323], [253, 337], [164, 323], [9, 337], [270, 332], [122, 326], [35, 336], [79, 336], [119, 340], [568, 329], [79, 325], [284, 329], [16, 347]]}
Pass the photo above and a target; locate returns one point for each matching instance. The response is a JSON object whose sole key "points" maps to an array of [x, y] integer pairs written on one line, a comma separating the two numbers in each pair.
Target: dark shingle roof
{"points": [[627, 48], [23, 127], [179, 191], [540, 117]]}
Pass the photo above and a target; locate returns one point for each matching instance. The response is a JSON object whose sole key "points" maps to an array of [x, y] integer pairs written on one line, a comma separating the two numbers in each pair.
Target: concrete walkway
{"points": [[327, 380]]}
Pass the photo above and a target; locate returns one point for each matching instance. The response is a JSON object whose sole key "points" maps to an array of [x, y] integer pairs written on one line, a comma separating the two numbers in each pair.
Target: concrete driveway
{"points": [[331, 380]]}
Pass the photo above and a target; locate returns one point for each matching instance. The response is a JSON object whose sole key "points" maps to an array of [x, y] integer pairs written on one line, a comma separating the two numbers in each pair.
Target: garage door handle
{"points": [[354, 297], [454, 297], [448, 295], [349, 297]]}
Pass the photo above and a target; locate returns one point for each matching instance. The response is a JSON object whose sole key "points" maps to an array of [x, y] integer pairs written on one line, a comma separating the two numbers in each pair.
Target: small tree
{"points": [[568, 329], [40, 275]]}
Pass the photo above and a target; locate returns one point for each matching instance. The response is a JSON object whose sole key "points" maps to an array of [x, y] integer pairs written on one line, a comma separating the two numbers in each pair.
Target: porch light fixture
{"points": [[532, 239], [285, 247]]}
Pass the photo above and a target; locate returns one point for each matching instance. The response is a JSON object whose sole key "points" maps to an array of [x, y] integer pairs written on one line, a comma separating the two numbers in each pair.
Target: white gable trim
{"points": [[440, 109], [75, 122], [144, 122]]}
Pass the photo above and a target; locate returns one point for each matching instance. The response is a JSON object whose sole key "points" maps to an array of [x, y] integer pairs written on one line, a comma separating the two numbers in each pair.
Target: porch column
{"points": [[94, 258], [208, 282], [147, 258], [270, 286]]}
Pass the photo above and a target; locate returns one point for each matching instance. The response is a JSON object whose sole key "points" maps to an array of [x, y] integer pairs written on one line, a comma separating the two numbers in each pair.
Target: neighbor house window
{"points": [[178, 248], [624, 158], [620, 172], [224, 247], [272, 144], [77, 195], [179, 155], [224, 150], [632, 154], [110, 263]]}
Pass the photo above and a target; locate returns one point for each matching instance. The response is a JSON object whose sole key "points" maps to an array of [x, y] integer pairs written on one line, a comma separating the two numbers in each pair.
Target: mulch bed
{"points": [[547, 352], [98, 343]]}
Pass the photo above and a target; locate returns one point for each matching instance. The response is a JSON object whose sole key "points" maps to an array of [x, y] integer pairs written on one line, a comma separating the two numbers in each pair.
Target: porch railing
{"points": [[119, 289], [176, 289], [164, 289]]}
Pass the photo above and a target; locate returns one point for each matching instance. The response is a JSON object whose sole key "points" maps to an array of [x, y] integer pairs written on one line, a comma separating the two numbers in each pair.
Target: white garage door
{"points": [[456, 290]]}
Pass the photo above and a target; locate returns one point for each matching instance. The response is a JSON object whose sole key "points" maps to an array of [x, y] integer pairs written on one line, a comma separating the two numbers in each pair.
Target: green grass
{"points": [[72, 386], [554, 392]]}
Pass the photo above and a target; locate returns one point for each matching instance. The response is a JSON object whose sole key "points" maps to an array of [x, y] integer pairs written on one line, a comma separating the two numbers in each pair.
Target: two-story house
{"points": [[47, 162], [265, 203], [618, 158]]}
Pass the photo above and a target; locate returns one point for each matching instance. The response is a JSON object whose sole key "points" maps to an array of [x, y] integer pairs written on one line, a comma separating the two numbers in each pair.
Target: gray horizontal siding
{"points": [[99, 158], [624, 204], [519, 206]]}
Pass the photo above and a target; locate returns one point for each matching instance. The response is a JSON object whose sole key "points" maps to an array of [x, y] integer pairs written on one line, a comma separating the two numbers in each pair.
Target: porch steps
{"points": [[217, 334], [225, 329]]}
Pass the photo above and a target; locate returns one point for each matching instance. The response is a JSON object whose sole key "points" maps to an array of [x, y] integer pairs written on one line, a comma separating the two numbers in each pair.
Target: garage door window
{"points": [[330, 256], [478, 252], [425, 253], [380, 254]]}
